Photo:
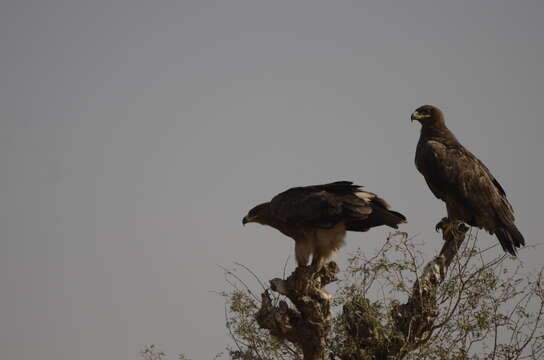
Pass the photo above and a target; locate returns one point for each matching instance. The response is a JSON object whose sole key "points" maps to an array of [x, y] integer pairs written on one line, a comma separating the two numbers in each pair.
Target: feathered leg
{"points": [[318, 262], [303, 250]]}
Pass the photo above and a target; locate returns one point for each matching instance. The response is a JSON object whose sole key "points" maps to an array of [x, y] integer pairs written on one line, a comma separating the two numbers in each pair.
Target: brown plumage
{"points": [[462, 181], [318, 216]]}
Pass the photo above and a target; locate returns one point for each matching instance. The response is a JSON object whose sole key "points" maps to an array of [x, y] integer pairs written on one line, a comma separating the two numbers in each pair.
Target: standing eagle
{"points": [[318, 216], [454, 175]]}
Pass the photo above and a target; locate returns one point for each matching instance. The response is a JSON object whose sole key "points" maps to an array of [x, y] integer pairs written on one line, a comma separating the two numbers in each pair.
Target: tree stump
{"points": [[308, 324]]}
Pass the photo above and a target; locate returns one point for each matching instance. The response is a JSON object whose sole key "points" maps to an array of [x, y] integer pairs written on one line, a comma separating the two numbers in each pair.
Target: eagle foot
{"points": [[316, 269], [441, 224], [316, 274], [325, 273], [448, 225]]}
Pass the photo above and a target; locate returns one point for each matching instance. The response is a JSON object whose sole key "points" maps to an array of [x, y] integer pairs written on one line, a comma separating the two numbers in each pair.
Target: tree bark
{"points": [[415, 319], [309, 323]]}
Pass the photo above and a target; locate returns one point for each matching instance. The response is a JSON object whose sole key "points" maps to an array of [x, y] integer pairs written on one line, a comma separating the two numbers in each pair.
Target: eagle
{"points": [[318, 216], [457, 177]]}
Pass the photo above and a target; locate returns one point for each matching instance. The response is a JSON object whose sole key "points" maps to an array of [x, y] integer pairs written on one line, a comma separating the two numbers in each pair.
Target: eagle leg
{"points": [[303, 250], [317, 263]]}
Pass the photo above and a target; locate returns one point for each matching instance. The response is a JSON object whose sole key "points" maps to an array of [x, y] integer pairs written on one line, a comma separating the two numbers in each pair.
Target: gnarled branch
{"points": [[309, 323], [411, 324], [415, 319]]}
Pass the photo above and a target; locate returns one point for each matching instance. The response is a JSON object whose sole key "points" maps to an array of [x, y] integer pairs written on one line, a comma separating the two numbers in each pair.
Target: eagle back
{"points": [[320, 206]]}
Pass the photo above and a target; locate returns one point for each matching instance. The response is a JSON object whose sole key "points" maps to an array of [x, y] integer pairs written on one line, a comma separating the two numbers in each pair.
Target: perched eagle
{"points": [[318, 216], [471, 193]]}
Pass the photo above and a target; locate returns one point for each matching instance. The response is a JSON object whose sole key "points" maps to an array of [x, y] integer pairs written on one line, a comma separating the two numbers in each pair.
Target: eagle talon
{"points": [[316, 270], [448, 225], [462, 227], [441, 225], [459, 227]]}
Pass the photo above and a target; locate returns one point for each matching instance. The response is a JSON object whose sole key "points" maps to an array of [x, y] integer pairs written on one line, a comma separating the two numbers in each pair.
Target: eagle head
{"points": [[427, 114], [258, 214]]}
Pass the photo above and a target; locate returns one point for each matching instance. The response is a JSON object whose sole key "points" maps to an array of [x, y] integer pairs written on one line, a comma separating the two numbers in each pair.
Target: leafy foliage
{"points": [[487, 308]]}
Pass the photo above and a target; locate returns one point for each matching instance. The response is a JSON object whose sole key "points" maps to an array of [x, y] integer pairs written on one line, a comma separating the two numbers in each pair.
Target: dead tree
{"points": [[308, 324]]}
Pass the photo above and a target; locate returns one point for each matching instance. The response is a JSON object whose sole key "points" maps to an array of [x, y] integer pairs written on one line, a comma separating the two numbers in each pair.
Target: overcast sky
{"points": [[134, 135]]}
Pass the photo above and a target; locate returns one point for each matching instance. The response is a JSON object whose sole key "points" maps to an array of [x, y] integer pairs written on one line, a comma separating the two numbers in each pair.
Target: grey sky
{"points": [[134, 135]]}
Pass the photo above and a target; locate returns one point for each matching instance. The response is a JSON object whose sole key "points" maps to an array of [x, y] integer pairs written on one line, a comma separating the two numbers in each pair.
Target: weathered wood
{"points": [[308, 324]]}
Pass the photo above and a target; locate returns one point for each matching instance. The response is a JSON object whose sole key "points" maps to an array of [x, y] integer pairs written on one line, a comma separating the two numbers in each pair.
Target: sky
{"points": [[135, 135]]}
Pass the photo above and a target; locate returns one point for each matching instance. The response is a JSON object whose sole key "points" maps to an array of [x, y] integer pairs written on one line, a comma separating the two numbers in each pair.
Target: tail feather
{"points": [[519, 241], [378, 217], [510, 239], [400, 218]]}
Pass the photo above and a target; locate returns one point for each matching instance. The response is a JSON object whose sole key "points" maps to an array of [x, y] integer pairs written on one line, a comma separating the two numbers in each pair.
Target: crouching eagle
{"points": [[454, 175], [318, 216]]}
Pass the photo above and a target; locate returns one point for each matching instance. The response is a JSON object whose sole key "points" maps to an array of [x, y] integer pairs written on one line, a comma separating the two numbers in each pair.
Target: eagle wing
{"points": [[320, 206], [451, 171]]}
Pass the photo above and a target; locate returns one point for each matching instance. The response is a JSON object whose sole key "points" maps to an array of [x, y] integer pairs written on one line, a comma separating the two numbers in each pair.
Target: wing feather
{"points": [[453, 171], [320, 206]]}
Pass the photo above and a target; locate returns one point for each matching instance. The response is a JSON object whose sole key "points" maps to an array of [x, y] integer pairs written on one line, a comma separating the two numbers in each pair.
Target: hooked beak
{"points": [[245, 220], [417, 116]]}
